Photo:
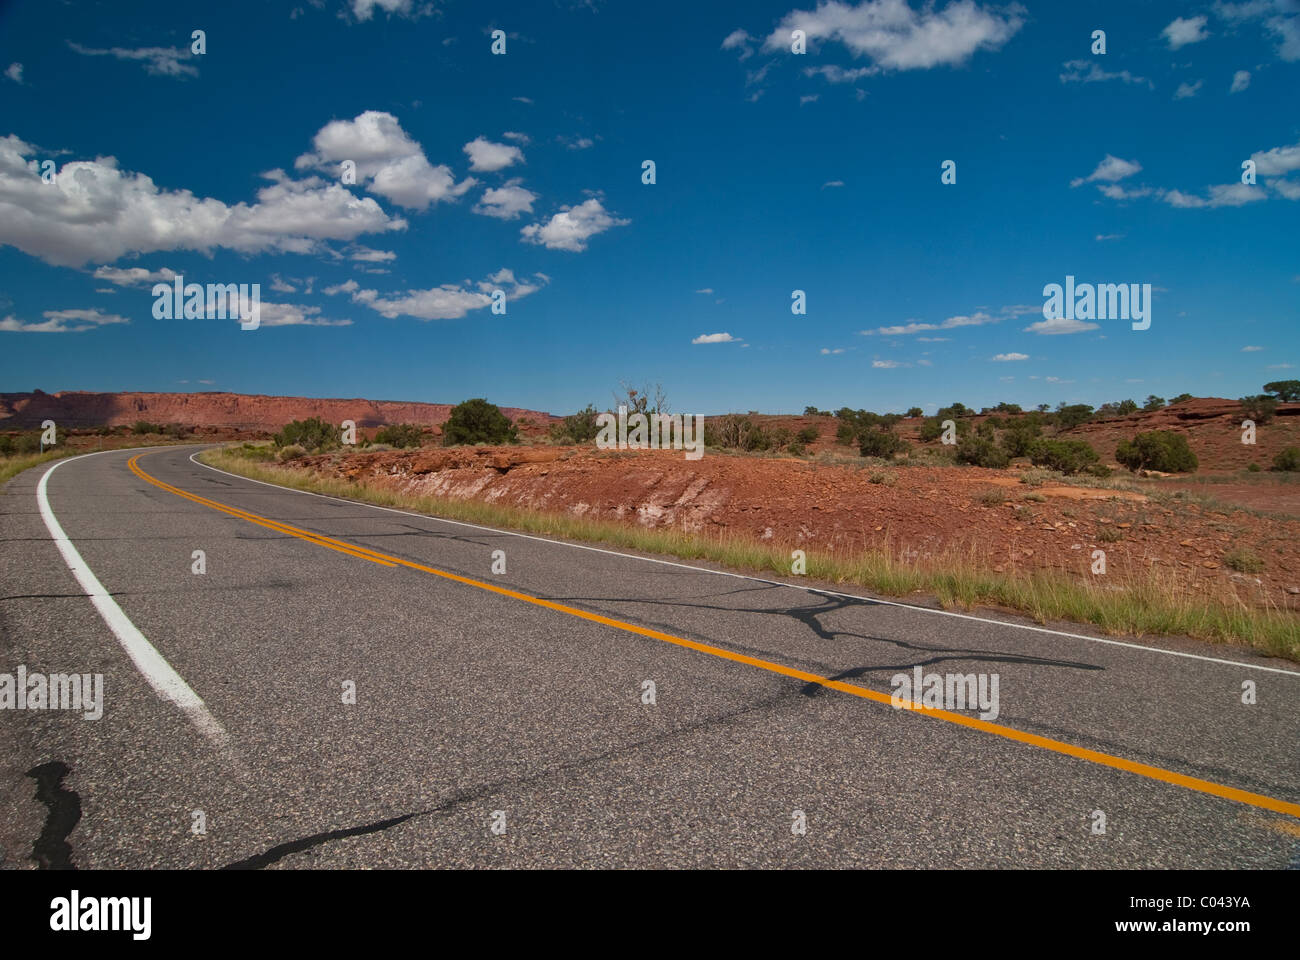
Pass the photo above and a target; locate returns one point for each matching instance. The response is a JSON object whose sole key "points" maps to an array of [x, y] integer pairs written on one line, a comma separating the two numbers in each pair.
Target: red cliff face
{"points": [[234, 411]]}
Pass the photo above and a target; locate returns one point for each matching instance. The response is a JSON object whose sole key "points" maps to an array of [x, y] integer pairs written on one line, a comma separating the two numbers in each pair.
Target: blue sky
{"points": [[775, 171]]}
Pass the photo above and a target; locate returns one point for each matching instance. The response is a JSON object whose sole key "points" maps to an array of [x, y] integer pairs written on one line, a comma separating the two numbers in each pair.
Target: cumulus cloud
{"points": [[449, 301], [1185, 30], [1060, 325], [896, 37], [389, 162], [976, 319], [739, 40], [715, 338], [366, 255], [15, 73], [364, 10], [134, 276], [1278, 161], [1278, 17], [62, 321], [506, 202], [1221, 195], [1186, 90], [572, 227], [96, 211], [1240, 81], [158, 61], [1009, 357], [1109, 170], [488, 157]]}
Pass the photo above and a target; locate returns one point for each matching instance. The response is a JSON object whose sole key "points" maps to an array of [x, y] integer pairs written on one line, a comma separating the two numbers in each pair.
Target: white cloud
{"points": [[1185, 30], [279, 286], [1102, 237], [1186, 90], [888, 364], [366, 255], [572, 227], [705, 290], [134, 276], [1251, 349], [447, 302], [896, 37], [826, 351], [158, 61], [96, 211], [809, 98], [506, 202], [1009, 357], [576, 143], [389, 163], [1289, 189], [1240, 81], [835, 74], [1277, 162], [832, 183], [1110, 170], [715, 338], [517, 137], [365, 9], [1221, 195], [933, 339], [1089, 71], [1280, 366], [1060, 326], [295, 315], [488, 157], [974, 320], [62, 321], [739, 40], [1279, 19], [15, 73]]}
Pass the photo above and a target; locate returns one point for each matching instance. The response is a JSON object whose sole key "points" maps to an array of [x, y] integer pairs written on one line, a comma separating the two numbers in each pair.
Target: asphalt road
{"points": [[471, 700]]}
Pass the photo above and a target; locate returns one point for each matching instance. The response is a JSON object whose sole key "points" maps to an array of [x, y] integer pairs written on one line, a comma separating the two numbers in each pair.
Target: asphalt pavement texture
{"points": [[488, 731]]}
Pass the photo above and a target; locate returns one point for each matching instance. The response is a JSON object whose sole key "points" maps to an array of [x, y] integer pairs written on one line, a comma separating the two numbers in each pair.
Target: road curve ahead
{"points": [[347, 686]]}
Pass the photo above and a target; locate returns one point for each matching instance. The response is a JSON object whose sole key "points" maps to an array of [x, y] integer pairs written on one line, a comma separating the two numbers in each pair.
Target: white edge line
{"points": [[778, 583], [166, 682]]}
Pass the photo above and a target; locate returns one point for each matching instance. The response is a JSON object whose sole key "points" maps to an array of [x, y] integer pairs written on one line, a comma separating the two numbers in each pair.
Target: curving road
{"points": [[515, 699]]}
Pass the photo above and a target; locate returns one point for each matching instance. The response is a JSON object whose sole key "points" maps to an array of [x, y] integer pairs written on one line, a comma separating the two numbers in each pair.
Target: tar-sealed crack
{"points": [[52, 850]]}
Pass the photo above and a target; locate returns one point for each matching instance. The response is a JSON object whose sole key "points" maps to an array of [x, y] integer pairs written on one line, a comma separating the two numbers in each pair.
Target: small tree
{"points": [[875, 442], [1067, 456], [982, 452], [1288, 391], [913, 412], [1153, 404], [477, 421], [577, 427], [312, 434], [1182, 398], [1071, 415], [401, 435], [1125, 407], [1163, 450], [1260, 408]]}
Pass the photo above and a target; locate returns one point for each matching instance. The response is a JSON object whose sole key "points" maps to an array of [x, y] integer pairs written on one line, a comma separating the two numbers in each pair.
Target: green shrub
{"points": [[1162, 450], [477, 421], [401, 435], [807, 435], [795, 449], [1020, 436], [736, 432], [879, 443], [1182, 398], [915, 412], [311, 434], [1260, 408], [1153, 403], [1287, 460], [143, 427], [1068, 416], [1288, 391], [1066, 456], [1255, 467], [982, 452], [1244, 561], [577, 427], [291, 451]]}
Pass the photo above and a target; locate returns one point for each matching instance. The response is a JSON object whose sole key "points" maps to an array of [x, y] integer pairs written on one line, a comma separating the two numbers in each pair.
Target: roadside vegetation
{"points": [[1150, 602]]}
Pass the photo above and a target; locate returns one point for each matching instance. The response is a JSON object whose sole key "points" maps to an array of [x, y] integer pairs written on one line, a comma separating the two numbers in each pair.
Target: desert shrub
{"points": [[1255, 467], [1066, 456], [1020, 436], [1287, 460], [1098, 470], [258, 453], [795, 449], [1125, 407], [955, 412], [477, 421], [143, 427], [1071, 415], [1036, 497], [176, 431], [1260, 408], [807, 435], [27, 443], [1110, 534], [1162, 450], [1244, 561], [310, 434], [1182, 398], [401, 435], [985, 430], [915, 412], [780, 436], [577, 427], [879, 443], [736, 431], [814, 412], [981, 452], [930, 429], [291, 451], [994, 497], [1153, 403]]}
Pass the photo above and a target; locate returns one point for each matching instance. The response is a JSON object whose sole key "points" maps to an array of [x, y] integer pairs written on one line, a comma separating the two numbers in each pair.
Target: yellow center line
{"points": [[974, 723]]}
